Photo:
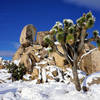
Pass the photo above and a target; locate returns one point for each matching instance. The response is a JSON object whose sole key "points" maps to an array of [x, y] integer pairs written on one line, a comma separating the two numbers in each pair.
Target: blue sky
{"points": [[15, 14]]}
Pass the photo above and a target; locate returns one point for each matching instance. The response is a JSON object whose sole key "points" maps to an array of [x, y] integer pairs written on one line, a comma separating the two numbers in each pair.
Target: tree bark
{"points": [[75, 74]]}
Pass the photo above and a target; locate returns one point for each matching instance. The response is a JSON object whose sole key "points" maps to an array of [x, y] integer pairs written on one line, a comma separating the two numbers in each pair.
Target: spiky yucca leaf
{"points": [[89, 15], [90, 23], [67, 22], [81, 20]]}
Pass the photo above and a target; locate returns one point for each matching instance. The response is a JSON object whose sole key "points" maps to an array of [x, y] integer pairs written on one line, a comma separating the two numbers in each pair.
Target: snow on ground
{"points": [[28, 90]]}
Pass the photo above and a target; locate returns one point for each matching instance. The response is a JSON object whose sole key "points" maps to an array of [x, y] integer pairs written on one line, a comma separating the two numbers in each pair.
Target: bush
{"points": [[17, 71]]}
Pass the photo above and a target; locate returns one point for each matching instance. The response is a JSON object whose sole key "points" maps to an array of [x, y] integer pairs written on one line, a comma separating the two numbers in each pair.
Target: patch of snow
{"points": [[56, 43], [48, 48], [29, 90], [36, 53], [39, 56], [4, 76], [42, 62], [27, 76], [16, 62], [44, 75]]}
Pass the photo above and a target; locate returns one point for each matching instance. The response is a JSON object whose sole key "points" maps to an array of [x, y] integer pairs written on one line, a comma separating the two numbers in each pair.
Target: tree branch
{"points": [[89, 40], [82, 38], [68, 58]]}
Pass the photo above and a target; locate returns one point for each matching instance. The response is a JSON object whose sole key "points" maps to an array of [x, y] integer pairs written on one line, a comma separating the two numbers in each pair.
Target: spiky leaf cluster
{"points": [[70, 33], [58, 27], [86, 20]]}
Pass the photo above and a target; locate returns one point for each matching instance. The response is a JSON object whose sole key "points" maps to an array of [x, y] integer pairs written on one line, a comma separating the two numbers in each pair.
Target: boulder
{"points": [[29, 61], [1, 66], [59, 61], [27, 35], [18, 53], [55, 73], [35, 74], [90, 61], [32, 51]]}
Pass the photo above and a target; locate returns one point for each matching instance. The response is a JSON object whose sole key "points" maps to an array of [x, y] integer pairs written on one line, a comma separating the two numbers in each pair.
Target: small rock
{"points": [[55, 73]]}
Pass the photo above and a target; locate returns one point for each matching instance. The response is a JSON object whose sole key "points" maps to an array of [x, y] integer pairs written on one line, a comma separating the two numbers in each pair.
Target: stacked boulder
{"points": [[26, 52], [29, 53]]}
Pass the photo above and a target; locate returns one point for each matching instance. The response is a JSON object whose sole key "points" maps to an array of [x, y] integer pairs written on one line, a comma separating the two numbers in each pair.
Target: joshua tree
{"points": [[72, 38]]}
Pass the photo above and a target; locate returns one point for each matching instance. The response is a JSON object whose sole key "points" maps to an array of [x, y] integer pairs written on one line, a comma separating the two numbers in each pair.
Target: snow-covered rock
{"points": [[90, 61], [91, 79]]}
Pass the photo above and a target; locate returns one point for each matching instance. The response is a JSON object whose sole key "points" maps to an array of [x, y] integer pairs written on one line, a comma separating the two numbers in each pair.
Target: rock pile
{"points": [[26, 52], [3, 63], [29, 53]]}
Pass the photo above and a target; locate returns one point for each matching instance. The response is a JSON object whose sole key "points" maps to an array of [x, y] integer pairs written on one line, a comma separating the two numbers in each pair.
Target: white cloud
{"points": [[93, 4], [6, 53]]}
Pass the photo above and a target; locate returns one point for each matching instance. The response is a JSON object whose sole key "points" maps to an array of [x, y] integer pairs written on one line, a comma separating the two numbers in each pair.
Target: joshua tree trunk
{"points": [[75, 74], [74, 67]]}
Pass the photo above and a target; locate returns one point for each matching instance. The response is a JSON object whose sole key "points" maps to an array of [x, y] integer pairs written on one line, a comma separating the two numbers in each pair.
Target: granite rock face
{"points": [[27, 35], [90, 61]]}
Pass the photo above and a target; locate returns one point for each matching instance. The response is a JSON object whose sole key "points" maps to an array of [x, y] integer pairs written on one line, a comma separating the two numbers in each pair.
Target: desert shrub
{"points": [[17, 71]]}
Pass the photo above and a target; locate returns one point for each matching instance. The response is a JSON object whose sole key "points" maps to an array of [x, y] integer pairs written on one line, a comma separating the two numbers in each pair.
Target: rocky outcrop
{"points": [[90, 61], [26, 52], [30, 54], [18, 53], [27, 35]]}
